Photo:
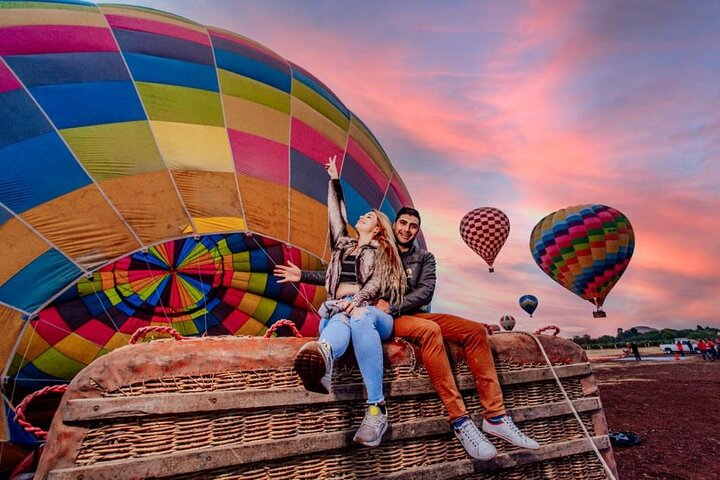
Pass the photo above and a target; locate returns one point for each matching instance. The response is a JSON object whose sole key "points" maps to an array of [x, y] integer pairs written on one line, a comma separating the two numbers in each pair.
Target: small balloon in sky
{"points": [[507, 322], [585, 248], [528, 303], [485, 230]]}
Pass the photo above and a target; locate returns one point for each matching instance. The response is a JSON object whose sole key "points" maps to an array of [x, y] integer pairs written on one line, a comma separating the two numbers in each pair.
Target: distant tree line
{"points": [[665, 335]]}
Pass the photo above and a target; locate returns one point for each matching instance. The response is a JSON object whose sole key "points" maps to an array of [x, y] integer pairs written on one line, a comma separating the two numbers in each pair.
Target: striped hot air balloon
{"points": [[585, 248], [153, 171]]}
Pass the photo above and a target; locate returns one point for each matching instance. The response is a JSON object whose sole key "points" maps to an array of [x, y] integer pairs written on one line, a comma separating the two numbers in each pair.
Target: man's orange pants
{"points": [[428, 330]]}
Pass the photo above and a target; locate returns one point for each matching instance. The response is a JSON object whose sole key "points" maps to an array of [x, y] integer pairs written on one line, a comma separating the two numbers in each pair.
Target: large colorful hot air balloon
{"points": [[585, 248], [153, 171], [507, 322], [485, 230], [528, 303]]}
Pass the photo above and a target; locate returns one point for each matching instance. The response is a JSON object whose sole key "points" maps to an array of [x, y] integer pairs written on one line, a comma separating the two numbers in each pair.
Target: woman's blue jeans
{"points": [[367, 329]]}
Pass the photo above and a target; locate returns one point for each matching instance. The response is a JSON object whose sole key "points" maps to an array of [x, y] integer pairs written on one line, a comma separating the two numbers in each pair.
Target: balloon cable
{"points": [[572, 408], [162, 306], [299, 291], [202, 291], [92, 284]]}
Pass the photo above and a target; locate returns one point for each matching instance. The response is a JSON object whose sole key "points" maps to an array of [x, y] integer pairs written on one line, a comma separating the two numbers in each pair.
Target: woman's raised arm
{"points": [[337, 216]]}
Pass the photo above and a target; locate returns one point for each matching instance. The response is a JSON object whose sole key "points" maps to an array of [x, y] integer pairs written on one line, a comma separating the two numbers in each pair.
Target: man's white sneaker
{"points": [[508, 431], [476, 444]]}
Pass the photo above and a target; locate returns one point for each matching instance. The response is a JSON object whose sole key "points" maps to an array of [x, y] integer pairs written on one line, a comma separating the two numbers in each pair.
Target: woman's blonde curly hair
{"points": [[388, 265]]}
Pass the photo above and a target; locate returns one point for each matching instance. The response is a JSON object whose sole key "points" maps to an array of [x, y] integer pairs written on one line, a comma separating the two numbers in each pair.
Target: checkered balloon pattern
{"points": [[585, 248], [485, 230]]}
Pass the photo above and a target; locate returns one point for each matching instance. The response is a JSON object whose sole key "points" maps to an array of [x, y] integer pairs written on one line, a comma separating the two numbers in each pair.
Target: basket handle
{"points": [[39, 433], [549, 327], [283, 323], [142, 331]]}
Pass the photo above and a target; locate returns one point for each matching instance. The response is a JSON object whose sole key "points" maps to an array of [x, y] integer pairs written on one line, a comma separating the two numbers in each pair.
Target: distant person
{"points": [[712, 352], [703, 349], [635, 351], [679, 347]]}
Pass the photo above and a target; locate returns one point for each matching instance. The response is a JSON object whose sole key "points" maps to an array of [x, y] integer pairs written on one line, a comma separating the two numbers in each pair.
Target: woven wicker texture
{"points": [[249, 416], [130, 439], [395, 457], [284, 377]]}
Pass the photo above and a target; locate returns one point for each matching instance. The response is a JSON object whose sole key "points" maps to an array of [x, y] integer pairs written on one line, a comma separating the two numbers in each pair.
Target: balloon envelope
{"points": [[585, 248], [153, 171], [485, 231], [528, 303], [507, 322]]}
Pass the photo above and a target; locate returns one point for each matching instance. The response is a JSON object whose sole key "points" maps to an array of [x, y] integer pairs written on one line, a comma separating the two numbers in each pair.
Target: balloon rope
{"points": [[159, 295], [202, 288], [572, 407], [92, 284], [299, 291], [39, 433]]}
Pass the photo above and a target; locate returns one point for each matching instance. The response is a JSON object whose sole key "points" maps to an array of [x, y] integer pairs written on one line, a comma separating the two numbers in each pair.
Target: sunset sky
{"points": [[530, 107]]}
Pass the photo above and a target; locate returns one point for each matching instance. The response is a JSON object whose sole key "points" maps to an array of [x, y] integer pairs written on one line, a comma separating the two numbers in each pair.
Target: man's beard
{"points": [[405, 245]]}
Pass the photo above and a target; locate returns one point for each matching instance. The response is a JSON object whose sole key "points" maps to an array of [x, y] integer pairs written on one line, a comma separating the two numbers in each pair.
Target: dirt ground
{"points": [[675, 408]]}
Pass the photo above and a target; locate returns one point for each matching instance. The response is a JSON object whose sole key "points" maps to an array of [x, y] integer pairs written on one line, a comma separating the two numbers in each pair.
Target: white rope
{"points": [[572, 408], [92, 284], [159, 294], [202, 285], [300, 292]]}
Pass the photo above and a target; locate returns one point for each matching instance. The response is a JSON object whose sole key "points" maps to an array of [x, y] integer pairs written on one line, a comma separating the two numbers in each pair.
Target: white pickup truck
{"points": [[689, 346]]}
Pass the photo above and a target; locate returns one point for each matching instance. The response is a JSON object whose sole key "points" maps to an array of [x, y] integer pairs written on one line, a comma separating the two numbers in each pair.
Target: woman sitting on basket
{"points": [[361, 271]]}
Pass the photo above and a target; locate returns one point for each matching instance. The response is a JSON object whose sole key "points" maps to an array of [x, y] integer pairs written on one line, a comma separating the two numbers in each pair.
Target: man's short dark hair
{"points": [[408, 211]]}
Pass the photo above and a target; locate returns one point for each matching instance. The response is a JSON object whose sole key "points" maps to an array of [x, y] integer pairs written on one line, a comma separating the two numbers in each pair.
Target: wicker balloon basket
{"points": [[232, 408]]}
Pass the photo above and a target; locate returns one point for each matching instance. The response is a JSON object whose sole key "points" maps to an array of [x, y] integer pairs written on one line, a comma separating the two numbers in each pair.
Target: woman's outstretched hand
{"points": [[331, 167], [287, 273]]}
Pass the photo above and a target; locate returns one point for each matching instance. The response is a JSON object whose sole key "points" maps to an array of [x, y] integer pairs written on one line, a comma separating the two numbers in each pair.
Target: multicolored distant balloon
{"points": [[528, 303], [507, 322], [152, 172], [585, 248], [485, 230]]}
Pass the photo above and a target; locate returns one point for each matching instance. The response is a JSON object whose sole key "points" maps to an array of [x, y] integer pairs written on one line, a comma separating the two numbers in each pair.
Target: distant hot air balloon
{"points": [[485, 230], [585, 248], [507, 322], [528, 303]]}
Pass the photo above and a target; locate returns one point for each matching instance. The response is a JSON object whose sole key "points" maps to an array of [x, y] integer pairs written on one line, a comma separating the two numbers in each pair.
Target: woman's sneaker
{"points": [[476, 444], [372, 428], [506, 429], [314, 364]]}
